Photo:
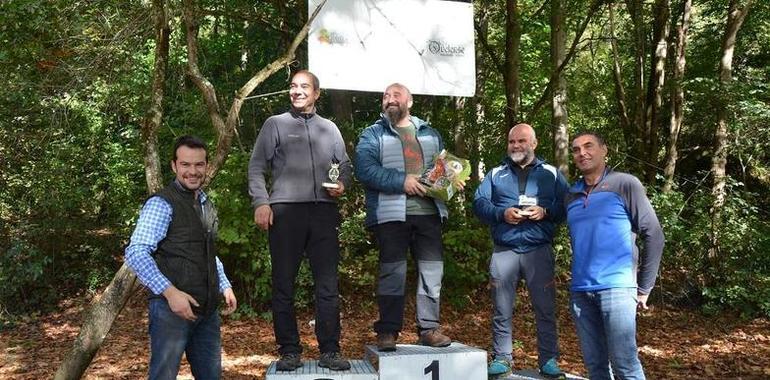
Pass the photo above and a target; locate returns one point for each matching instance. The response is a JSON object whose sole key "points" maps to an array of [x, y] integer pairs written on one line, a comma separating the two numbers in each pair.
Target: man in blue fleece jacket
{"points": [[606, 210], [522, 200]]}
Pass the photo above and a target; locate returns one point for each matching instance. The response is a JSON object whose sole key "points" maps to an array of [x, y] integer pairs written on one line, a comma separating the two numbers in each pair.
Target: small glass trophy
{"points": [[334, 174]]}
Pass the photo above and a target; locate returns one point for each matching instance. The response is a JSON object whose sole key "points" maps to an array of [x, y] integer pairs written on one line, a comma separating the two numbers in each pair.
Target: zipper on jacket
{"points": [[312, 160]]}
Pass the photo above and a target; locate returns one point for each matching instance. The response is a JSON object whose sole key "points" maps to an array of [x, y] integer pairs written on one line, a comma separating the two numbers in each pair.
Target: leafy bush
{"points": [[738, 276]]}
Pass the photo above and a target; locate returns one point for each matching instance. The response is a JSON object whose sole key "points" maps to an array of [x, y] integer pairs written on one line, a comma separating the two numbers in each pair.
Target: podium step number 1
{"points": [[456, 362]]}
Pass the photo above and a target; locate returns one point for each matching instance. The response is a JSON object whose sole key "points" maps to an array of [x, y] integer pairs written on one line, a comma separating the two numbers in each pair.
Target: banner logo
{"points": [[444, 49], [327, 37]]}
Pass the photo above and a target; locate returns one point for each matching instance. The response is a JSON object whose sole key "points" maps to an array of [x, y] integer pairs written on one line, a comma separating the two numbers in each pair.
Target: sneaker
{"points": [[333, 361], [289, 362], [433, 338], [386, 341], [499, 367], [551, 370]]}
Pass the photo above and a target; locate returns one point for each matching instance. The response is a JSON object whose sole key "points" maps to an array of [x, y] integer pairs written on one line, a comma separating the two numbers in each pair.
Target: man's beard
{"points": [[395, 114], [523, 157]]}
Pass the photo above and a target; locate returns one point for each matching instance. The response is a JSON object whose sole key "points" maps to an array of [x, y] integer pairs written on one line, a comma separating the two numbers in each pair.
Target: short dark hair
{"points": [[595, 135], [191, 142], [313, 78]]}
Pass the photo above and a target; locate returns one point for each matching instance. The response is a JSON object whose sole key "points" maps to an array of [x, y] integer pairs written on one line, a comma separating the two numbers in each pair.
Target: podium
{"points": [[408, 362], [455, 362]]}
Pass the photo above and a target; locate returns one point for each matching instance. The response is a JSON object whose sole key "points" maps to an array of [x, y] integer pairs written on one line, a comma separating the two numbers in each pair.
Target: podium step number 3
{"points": [[359, 370]]}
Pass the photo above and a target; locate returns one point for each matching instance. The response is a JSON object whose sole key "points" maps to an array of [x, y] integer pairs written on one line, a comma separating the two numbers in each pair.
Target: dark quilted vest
{"points": [[187, 255]]}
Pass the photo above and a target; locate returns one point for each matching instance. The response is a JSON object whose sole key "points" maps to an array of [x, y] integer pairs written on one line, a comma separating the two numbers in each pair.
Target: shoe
{"points": [[433, 338], [499, 367], [386, 342], [551, 370], [333, 361], [289, 362]]}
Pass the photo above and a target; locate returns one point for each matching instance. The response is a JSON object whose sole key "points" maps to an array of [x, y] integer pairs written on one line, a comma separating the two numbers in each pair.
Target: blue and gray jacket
{"points": [[380, 167], [603, 225], [500, 190]]}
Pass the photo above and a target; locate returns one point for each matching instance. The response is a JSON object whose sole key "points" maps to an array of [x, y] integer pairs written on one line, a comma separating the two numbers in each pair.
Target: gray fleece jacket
{"points": [[292, 157]]}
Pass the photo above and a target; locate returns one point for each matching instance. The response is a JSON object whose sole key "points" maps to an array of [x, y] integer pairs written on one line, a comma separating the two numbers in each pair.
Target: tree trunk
{"points": [[677, 97], [511, 65], [629, 134], [546, 94], [736, 15], [154, 117], [459, 130], [105, 308], [479, 121], [639, 107], [559, 120], [342, 106], [660, 29]]}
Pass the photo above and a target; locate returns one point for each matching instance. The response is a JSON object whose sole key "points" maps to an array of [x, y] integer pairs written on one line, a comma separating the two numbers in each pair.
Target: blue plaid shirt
{"points": [[151, 228]]}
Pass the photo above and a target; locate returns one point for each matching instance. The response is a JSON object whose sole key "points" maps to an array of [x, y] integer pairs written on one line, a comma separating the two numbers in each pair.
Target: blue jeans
{"points": [[606, 326], [170, 336]]}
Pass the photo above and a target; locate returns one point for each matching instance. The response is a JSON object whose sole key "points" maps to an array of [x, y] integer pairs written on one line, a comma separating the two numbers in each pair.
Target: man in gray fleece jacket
{"points": [[287, 171]]}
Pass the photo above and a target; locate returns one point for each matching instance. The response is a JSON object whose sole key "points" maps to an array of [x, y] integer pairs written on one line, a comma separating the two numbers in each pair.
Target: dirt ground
{"points": [[673, 344]]}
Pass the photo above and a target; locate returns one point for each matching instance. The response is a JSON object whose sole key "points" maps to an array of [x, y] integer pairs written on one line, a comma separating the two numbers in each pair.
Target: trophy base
{"points": [[330, 185]]}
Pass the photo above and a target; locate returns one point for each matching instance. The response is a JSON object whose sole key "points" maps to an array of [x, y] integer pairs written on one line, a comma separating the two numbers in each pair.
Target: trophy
{"points": [[334, 174]]}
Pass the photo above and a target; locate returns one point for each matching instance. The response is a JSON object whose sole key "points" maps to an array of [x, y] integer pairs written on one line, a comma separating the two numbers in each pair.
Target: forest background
{"points": [[96, 92]]}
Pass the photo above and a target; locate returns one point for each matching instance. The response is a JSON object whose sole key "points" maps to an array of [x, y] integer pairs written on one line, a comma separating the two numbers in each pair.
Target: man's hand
{"points": [[263, 217], [179, 302], [338, 191], [230, 302], [412, 185], [512, 215], [535, 213], [641, 301]]}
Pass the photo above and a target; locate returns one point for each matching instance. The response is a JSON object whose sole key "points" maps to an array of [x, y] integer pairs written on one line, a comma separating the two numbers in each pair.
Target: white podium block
{"points": [[455, 362], [359, 370]]}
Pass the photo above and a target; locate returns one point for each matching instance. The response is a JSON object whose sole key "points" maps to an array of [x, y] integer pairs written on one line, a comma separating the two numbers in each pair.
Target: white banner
{"points": [[365, 45]]}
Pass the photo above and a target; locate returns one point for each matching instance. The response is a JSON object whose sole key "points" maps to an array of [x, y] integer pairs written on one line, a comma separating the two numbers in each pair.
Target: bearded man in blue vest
{"points": [[173, 254]]}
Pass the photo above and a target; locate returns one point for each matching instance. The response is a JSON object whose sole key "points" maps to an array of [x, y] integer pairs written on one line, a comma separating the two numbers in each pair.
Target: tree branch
{"points": [[483, 39]]}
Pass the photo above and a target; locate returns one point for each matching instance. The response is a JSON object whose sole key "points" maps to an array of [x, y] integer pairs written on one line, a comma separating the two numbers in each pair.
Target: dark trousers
{"points": [[421, 235], [305, 229]]}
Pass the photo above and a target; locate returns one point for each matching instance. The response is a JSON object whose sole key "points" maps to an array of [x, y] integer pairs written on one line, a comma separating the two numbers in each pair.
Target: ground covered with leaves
{"points": [[674, 343]]}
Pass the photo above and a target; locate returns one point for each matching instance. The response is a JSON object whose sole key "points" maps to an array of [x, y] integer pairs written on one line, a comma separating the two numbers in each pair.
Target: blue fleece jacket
{"points": [[500, 190], [603, 225]]}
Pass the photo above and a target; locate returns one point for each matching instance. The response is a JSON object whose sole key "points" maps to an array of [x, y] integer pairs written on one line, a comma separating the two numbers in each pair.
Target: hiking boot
{"points": [[289, 362], [551, 370], [433, 338], [386, 342], [499, 367], [333, 361]]}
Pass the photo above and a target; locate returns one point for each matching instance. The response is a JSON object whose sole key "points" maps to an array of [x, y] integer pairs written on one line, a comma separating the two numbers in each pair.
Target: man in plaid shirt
{"points": [[172, 252]]}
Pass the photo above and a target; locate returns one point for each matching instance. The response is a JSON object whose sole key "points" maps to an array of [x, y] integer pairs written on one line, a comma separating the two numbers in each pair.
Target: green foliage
{"points": [[738, 276], [242, 247]]}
